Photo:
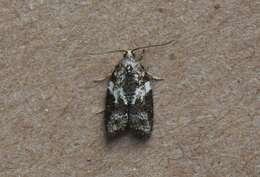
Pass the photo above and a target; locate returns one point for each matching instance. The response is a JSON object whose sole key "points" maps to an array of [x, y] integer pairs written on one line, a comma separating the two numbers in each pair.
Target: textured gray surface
{"points": [[207, 119]]}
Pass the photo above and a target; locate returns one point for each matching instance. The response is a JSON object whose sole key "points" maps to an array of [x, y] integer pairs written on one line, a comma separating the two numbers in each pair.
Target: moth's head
{"points": [[129, 54]]}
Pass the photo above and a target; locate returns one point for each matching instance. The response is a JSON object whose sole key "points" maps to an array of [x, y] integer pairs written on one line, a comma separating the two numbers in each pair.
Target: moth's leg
{"points": [[152, 77], [105, 78], [102, 79], [100, 111], [141, 56]]}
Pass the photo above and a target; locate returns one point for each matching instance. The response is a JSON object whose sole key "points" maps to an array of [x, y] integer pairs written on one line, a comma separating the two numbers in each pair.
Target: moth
{"points": [[129, 99]]}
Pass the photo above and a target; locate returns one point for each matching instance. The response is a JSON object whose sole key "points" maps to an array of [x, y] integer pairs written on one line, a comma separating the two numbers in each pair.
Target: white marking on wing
{"points": [[116, 92], [147, 87], [140, 92], [111, 87]]}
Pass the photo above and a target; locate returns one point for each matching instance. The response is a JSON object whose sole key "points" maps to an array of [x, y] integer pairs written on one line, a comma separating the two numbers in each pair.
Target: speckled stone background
{"points": [[207, 110]]}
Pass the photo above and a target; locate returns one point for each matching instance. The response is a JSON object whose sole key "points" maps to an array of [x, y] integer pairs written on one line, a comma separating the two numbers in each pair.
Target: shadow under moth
{"points": [[129, 99]]}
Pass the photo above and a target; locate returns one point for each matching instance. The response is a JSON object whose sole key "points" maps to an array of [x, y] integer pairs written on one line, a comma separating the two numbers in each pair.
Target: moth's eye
{"points": [[134, 55], [124, 55]]}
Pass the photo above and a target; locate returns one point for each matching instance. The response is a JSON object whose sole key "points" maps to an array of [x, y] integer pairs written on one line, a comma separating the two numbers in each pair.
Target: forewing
{"points": [[140, 112], [116, 117]]}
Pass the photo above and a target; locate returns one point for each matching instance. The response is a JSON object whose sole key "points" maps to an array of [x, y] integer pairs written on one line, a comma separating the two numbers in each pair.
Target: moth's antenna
{"points": [[155, 45], [107, 52]]}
